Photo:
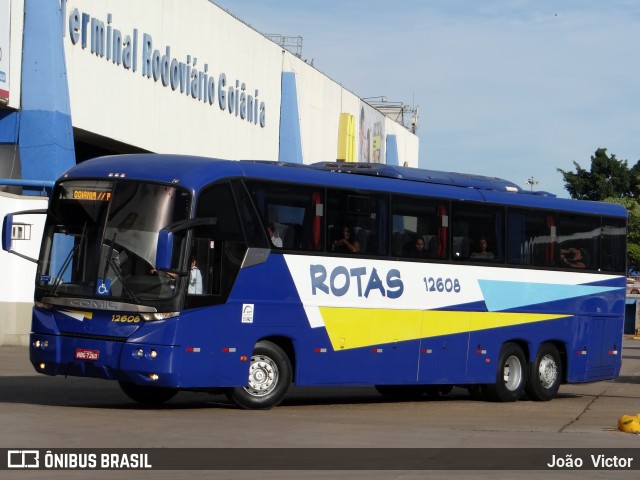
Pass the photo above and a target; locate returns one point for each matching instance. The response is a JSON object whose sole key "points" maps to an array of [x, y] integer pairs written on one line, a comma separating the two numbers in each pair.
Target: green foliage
{"points": [[633, 208], [608, 178], [633, 256]]}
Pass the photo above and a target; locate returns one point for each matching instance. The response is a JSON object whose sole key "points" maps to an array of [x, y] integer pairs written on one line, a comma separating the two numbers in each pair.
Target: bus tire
{"points": [[147, 395], [545, 374], [510, 375], [270, 376]]}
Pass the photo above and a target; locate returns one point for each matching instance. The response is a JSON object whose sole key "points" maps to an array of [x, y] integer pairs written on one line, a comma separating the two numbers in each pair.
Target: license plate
{"points": [[84, 354]]}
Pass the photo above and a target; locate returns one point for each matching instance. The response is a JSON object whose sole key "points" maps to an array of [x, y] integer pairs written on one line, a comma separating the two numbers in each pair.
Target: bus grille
{"points": [[88, 336]]}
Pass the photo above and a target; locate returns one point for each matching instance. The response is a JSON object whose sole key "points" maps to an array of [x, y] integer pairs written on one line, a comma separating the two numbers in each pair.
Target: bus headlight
{"points": [[150, 317], [41, 344]]}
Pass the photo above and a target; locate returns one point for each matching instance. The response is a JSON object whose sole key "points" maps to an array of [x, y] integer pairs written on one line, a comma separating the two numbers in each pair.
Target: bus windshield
{"points": [[100, 241]]}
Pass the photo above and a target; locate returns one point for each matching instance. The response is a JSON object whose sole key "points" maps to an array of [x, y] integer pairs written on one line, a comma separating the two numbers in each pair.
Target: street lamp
{"points": [[532, 181]]}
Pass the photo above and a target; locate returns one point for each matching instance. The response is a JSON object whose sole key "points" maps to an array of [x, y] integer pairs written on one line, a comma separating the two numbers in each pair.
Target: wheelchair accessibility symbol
{"points": [[103, 287]]}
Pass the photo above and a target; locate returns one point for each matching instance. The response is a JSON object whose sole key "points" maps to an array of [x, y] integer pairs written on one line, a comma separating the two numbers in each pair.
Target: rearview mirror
{"points": [[164, 250], [7, 227], [166, 238]]}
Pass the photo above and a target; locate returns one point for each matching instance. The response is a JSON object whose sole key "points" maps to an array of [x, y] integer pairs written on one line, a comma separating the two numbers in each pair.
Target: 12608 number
{"points": [[442, 284], [125, 318]]}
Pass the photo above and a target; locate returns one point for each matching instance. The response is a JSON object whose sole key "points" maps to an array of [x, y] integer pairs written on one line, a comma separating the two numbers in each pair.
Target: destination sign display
{"points": [[90, 194]]}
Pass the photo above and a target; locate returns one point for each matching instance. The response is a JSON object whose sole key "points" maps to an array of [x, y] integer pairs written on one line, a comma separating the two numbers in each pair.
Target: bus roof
{"points": [[194, 172]]}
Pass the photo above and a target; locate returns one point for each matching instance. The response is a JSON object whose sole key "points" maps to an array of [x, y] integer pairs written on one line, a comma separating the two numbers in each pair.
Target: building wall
{"points": [[137, 104], [179, 78], [16, 8], [18, 279]]}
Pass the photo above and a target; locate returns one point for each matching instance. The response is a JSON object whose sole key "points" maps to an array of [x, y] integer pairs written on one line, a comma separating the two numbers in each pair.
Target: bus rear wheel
{"points": [[147, 395], [510, 375], [545, 374], [270, 376]]}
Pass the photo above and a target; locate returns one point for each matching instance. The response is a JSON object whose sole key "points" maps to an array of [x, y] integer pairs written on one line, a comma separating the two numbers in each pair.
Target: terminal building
{"points": [[85, 78]]}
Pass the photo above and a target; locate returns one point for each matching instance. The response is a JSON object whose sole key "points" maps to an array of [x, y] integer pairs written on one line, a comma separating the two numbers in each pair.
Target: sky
{"points": [[506, 88]]}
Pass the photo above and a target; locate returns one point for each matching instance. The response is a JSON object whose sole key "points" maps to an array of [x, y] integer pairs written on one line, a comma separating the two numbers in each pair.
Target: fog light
{"points": [[154, 376], [153, 354], [42, 366]]}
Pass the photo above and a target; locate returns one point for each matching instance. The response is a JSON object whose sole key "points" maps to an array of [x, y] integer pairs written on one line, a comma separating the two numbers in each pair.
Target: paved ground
{"points": [[53, 412]]}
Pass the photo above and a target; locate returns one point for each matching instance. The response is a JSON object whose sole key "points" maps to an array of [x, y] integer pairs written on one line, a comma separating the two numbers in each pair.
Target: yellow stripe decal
{"points": [[78, 314], [361, 327]]}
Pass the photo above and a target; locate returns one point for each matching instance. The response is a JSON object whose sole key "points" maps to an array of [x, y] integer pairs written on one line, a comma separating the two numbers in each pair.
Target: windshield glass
{"points": [[100, 241]]}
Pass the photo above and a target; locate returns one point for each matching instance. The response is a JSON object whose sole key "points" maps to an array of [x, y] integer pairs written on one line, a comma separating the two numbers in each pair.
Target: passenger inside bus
{"points": [[482, 251], [195, 279], [420, 250], [276, 241], [346, 244], [573, 257]]}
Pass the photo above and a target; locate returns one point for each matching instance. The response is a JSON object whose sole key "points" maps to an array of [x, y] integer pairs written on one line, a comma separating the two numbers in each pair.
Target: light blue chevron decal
{"points": [[500, 295]]}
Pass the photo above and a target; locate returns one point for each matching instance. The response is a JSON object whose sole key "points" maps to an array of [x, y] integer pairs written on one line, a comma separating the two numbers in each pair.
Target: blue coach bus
{"points": [[170, 273]]}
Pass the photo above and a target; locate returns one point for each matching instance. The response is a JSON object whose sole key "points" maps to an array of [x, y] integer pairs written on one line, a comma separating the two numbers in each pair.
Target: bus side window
{"points": [[364, 214], [579, 233], [418, 228], [295, 212], [478, 232], [613, 241], [532, 238]]}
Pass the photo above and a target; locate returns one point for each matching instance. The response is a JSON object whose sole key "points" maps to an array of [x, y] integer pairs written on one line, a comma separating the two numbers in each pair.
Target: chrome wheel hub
{"points": [[512, 373], [263, 376], [547, 371]]}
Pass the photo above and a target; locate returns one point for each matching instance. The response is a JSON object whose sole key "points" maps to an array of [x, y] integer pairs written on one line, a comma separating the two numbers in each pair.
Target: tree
{"points": [[608, 178]]}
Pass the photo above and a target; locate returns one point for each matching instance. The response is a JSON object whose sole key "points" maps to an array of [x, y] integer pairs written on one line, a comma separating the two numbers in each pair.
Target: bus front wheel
{"points": [[545, 374], [270, 376], [510, 376], [148, 395]]}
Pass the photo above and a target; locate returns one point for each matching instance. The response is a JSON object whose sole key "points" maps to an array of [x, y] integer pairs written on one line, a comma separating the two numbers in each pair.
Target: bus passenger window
{"points": [[532, 238], [418, 228], [579, 241], [478, 232], [292, 214], [364, 215]]}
